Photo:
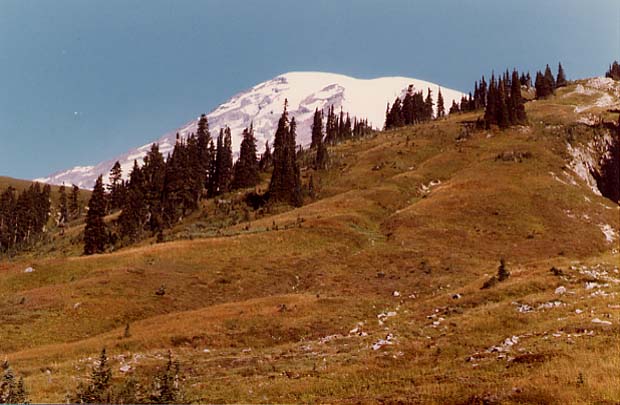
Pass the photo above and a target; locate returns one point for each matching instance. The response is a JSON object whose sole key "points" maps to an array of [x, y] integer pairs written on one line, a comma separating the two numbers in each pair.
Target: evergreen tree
{"points": [[212, 171], [503, 117], [99, 388], [560, 80], [490, 113], [266, 159], [116, 187], [224, 161], [317, 129], [441, 111], [428, 106], [408, 111], [95, 235], [246, 170], [614, 71], [285, 184], [516, 100], [166, 385], [549, 79], [74, 202], [12, 390], [135, 209], [154, 174], [63, 210]]}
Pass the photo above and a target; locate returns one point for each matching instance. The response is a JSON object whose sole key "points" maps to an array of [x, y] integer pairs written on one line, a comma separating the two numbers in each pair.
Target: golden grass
{"points": [[262, 300]]}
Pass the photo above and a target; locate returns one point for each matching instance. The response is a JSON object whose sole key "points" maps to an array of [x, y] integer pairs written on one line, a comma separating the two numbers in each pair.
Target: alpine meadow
{"points": [[367, 237]]}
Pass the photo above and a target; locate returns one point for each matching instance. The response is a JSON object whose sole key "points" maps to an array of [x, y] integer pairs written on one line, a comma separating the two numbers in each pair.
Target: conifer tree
{"points": [[212, 171], [116, 187], [490, 113], [517, 102], [285, 184], [317, 129], [135, 209], [441, 111], [12, 390], [246, 170], [154, 173], [428, 106], [224, 161], [266, 158], [503, 117], [64, 208], [549, 79], [98, 390], [95, 235], [166, 385], [560, 80], [614, 71], [74, 201]]}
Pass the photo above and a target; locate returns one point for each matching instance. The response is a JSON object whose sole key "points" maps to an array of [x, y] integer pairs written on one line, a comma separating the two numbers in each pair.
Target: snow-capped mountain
{"points": [[262, 105]]}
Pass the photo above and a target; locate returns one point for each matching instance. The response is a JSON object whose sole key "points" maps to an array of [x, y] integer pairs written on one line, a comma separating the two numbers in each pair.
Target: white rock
{"points": [[596, 320], [578, 311], [560, 290], [396, 294], [125, 368], [28, 270]]}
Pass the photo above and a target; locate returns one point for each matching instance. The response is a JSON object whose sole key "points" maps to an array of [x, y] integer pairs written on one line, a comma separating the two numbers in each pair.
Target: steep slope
{"points": [[262, 105], [371, 293]]}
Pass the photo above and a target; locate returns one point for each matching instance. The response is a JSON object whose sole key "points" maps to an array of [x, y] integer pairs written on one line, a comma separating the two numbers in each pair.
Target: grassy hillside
{"points": [[370, 293]]}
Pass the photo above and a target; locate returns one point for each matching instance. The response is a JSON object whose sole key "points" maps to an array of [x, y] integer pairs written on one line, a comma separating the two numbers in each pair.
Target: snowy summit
{"points": [[262, 105]]}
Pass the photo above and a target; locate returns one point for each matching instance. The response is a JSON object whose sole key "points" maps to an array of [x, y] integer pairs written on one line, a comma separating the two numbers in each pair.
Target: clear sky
{"points": [[84, 80]]}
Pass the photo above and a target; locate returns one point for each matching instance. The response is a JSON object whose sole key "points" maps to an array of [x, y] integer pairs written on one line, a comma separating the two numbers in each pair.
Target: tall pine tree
{"points": [[95, 234]]}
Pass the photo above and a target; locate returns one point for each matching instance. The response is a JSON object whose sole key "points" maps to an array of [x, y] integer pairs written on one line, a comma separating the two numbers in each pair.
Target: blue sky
{"points": [[83, 80]]}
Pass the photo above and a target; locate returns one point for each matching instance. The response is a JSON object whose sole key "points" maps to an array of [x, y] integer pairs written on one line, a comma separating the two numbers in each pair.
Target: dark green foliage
{"points": [[441, 110], [116, 188], [95, 234], [246, 170], [154, 176], [74, 202], [285, 184], [504, 103], [517, 105], [614, 71], [23, 216], [135, 209], [544, 84], [12, 390], [98, 390], [223, 162], [317, 129], [166, 385], [548, 76], [266, 159], [560, 80], [63, 209]]}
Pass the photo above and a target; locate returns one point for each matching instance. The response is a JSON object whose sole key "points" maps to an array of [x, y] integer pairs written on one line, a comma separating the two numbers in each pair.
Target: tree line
{"points": [[23, 216], [162, 191], [614, 71]]}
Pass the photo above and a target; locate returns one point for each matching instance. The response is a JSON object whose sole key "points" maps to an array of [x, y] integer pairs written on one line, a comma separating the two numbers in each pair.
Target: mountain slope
{"points": [[262, 104]]}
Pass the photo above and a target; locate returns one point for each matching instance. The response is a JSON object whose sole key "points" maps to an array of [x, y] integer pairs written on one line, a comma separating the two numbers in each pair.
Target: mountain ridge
{"points": [[261, 104]]}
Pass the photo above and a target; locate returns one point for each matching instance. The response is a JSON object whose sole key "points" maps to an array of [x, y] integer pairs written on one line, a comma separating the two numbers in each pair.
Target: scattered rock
{"points": [[560, 290], [161, 291], [396, 294], [457, 296], [125, 368], [389, 340], [596, 320], [77, 305]]}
